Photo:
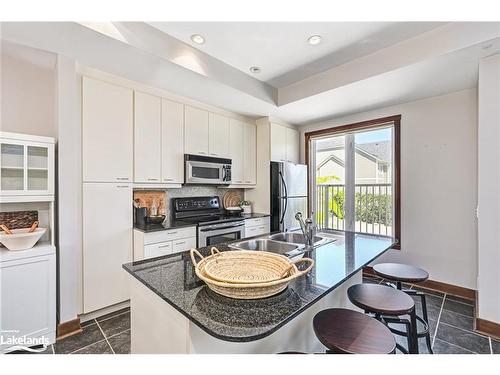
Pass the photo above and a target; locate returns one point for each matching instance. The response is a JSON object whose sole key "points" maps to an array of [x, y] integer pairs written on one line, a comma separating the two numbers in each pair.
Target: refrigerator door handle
{"points": [[284, 185], [284, 210]]}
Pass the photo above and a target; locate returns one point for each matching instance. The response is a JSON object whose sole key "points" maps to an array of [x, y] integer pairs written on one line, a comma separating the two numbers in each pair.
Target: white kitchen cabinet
{"points": [[237, 151], [28, 294], [278, 142], [147, 138], [250, 154], [107, 243], [196, 131], [163, 242], [108, 130], [257, 226], [172, 135], [218, 135], [292, 145], [26, 165]]}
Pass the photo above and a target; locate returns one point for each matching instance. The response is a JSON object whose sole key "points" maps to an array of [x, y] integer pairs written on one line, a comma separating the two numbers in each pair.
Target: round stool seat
{"points": [[380, 299], [351, 332], [401, 272]]}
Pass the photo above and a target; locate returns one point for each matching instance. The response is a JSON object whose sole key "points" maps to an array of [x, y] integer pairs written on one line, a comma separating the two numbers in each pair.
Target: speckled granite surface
{"points": [[173, 279]]}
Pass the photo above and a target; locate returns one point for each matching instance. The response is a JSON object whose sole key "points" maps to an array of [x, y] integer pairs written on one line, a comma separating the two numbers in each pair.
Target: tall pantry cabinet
{"points": [[108, 151]]}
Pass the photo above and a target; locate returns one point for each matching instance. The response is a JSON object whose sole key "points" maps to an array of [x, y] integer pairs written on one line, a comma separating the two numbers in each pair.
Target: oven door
{"points": [[219, 233]]}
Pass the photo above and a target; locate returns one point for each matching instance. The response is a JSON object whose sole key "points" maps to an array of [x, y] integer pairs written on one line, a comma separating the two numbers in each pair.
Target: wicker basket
{"points": [[277, 270]]}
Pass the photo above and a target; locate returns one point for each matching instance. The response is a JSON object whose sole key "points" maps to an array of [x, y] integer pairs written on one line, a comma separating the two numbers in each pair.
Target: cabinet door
{"points": [[183, 244], [278, 142], [196, 131], [108, 129], [237, 151], [157, 249], [218, 135], [107, 243], [250, 154], [292, 145], [147, 138], [12, 171], [172, 135]]}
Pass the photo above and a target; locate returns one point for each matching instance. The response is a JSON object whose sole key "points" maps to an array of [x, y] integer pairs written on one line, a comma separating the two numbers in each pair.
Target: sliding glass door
{"points": [[352, 178]]}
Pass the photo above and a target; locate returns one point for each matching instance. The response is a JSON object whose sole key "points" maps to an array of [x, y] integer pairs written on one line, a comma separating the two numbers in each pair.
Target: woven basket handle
{"points": [[215, 251], [193, 258], [304, 260]]}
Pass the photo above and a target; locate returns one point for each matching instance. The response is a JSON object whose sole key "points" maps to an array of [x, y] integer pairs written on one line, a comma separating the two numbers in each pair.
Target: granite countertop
{"points": [[253, 215], [173, 279]]}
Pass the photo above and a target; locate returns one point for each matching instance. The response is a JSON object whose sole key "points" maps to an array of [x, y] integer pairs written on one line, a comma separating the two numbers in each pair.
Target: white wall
{"points": [[438, 183], [27, 90], [489, 188]]}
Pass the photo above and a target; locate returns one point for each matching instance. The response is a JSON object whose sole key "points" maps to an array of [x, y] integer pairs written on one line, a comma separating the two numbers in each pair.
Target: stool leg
{"points": [[413, 332], [424, 313]]}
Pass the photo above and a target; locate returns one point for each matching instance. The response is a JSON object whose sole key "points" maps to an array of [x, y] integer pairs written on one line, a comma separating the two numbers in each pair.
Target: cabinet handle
{"points": [[247, 182], [213, 154], [152, 179], [122, 178], [180, 243], [262, 227], [162, 246], [202, 153], [172, 232], [122, 186], [168, 179]]}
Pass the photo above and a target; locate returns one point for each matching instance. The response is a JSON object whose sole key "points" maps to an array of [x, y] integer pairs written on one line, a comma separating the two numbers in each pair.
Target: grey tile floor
{"points": [[451, 321], [450, 318]]}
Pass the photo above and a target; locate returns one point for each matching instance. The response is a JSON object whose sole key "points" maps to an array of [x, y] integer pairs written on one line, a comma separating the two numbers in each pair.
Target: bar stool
{"points": [[404, 273], [387, 304], [351, 332]]}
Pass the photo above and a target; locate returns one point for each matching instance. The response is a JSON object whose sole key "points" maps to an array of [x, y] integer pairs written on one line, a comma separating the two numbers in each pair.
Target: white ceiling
{"points": [[281, 49]]}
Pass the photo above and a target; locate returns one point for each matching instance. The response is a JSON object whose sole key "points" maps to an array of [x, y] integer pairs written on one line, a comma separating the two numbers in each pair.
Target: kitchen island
{"points": [[173, 311]]}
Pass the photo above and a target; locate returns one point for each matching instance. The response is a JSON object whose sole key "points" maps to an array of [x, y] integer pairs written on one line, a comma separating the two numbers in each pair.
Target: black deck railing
{"points": [[373, 207]]}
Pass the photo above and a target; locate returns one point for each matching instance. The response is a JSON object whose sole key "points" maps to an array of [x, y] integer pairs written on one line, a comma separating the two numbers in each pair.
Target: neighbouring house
{"points": [[373, 161]]}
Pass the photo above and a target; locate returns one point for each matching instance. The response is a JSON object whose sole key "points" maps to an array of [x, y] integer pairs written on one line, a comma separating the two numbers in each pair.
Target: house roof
{"points": [[378, 150]]}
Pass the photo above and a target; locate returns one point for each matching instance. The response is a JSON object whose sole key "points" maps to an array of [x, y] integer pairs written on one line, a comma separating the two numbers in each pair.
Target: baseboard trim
{"points": [[68, 328], [438, 286], [487, 327]]}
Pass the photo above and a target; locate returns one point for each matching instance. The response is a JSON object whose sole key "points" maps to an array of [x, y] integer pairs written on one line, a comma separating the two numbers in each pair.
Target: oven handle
{"points": [[221, 228]]}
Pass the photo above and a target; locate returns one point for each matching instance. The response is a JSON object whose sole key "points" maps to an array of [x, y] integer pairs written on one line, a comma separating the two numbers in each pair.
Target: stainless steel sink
{"points": [[265, 244], [296, 238]]}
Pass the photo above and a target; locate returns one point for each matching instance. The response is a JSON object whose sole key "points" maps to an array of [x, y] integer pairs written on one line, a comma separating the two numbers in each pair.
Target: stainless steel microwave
{"points": [[207, 170]]}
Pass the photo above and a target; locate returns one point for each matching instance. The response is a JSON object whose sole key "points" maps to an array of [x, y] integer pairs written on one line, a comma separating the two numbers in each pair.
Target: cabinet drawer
{"points": [[169, 235], [256, 222], [157, 249], [183, 244]]}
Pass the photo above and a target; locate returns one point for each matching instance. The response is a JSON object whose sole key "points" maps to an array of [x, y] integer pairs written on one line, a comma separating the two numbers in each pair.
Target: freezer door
{"points": [[293, 205], [295, 179]]}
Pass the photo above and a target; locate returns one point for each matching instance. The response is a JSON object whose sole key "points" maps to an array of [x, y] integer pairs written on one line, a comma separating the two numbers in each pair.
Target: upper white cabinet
{"points": [[107, 243], [26, 164], [196, 131], [147, 138], [284, 144], [236, 147], [292, 145], [108, 130], [250, 154], [278, 142], [218, 135], [242, 144], [172, 146]]}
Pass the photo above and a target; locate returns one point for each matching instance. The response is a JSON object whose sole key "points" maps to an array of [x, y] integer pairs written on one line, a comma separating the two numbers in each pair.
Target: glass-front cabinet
{"points": [[26, 166]]}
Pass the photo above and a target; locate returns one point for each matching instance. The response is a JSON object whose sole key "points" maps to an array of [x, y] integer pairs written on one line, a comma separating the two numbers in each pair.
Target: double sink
{"points": [[290, 244]]}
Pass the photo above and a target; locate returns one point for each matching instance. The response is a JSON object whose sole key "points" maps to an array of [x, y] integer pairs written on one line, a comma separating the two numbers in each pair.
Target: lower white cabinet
{"points": [[257, 226], [107, 243], [163, 242], [28, 295]]}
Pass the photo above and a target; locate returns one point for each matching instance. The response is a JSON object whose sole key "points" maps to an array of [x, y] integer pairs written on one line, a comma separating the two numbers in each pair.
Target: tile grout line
{"points": [[53, 350], [491, 345], [105, 338], [119, 333], [438, 321], [84, 347]]}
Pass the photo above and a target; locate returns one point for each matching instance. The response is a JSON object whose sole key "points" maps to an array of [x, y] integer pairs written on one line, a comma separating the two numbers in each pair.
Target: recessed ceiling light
{"points": [[315, 39], [197, 38], [255, 69]]}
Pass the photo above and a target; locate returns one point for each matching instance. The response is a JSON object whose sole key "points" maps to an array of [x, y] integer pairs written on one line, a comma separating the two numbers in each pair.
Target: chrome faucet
{"points": [[307, 227]]}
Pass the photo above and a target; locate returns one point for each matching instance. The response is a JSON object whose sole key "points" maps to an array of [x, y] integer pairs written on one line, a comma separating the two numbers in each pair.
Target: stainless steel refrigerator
{"points": [[288, 195]]}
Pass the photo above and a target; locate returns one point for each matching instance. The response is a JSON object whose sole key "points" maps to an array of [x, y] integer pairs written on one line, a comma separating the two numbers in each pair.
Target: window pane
{"points": [[330, 182], [373, 181]]}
